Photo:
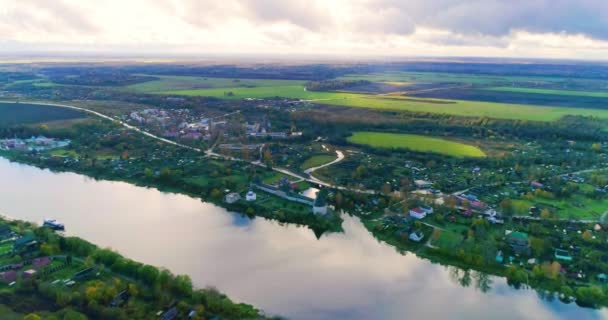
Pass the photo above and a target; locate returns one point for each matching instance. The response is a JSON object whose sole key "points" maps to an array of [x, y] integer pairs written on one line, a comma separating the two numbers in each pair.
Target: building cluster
{"points": [[176, 123], [39, 143], [264, 130]]}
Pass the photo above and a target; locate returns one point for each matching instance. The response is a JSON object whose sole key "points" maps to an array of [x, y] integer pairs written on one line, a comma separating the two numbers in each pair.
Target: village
{"points": [[39, 263], [39, 143]]}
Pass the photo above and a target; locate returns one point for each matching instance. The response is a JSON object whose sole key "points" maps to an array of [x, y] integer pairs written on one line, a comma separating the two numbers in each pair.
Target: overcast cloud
{"points": [[513, 28]]}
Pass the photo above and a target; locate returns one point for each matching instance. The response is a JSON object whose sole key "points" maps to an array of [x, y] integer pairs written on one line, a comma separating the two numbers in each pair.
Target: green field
{"points": [[317, 160], [576, 207], [22, 113], [593, 94], [179, 83], [438, 77], [416, 143], [400, 103]]}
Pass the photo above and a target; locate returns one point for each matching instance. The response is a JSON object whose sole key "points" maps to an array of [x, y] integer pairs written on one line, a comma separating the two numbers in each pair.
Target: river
{"points": [[282, 269]]}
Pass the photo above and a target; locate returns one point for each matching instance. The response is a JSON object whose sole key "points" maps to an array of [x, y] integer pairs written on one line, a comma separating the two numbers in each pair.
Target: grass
{"points": [[64, 153], [399, 103], [317, 160], [416, 143], [576, 207], [273, 177], [438, 77], [177, 83], [447, 239], [593, 94], [8, 313]]}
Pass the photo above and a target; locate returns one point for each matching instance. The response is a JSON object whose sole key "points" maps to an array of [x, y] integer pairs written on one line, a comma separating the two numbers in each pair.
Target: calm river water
{"points": [[281, 269]]}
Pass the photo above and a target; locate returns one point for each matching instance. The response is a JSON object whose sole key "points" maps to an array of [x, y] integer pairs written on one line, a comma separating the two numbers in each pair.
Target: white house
{"points": [[417, 213], [416, 236], [250, 196], [427, 210], [319, 209]]}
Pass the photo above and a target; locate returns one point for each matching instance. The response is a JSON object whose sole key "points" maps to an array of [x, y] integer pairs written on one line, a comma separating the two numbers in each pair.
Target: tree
{"points": [[538, 245], [551, 270], [183, 285], [267, 156], [589, 295], [587, 236], [386, 188], [506, 205], [32, 316]]}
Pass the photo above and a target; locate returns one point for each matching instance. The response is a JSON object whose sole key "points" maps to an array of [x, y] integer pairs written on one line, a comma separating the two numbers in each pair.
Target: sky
{"points": [[558, 29]]}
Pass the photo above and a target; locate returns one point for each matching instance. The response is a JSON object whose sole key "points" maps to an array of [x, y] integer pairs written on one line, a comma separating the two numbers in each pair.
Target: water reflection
{"points": [[281, 269]]}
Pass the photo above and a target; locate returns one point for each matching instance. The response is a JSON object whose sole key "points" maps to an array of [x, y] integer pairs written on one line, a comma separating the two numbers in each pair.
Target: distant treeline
{"points": [[332, 85]]}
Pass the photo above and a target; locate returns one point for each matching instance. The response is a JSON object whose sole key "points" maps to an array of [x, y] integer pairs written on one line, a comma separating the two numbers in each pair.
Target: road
{"points": [[209, 152], [340, 155]]}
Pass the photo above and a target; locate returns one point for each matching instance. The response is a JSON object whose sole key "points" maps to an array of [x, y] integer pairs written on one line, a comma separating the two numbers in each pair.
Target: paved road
{"points": [[209, 152], [340, 158]]}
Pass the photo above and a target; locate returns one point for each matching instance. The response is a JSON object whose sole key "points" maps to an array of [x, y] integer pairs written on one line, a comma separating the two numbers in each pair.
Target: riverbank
{"points": [[283, 269], [47, 274]]}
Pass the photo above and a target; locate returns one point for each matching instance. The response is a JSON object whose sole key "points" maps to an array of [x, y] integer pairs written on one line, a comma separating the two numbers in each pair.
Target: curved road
{"points": [[209, 152]]}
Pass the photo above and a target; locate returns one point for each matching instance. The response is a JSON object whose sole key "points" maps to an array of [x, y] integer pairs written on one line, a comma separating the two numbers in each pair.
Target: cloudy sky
{"points": [[576, 29]]}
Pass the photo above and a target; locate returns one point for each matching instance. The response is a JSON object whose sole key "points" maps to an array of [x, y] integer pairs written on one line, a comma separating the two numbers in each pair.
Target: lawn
{"points": [[8, 314], [447, 240], [317, 160], [593, 94], [416, 143], [64, 153], [576, 207]]}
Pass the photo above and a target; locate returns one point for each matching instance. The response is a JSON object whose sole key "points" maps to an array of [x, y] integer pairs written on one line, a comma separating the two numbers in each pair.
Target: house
{"points": [[416, 236], [423, 184], [417, 213], [563, 255], [232, 198], [25, 244], [518, 241], [170, 314], [120, 299], [499, 257], [41, 262], [5, 232], [427, 209], [478, 205], [536, 185], [27, 274], [534, 211], [251, 196], [320, 204], [9, 276]]}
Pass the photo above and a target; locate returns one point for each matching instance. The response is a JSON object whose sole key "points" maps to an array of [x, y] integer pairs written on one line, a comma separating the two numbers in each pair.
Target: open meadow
{"points": [[416, 143], [234, 89]]}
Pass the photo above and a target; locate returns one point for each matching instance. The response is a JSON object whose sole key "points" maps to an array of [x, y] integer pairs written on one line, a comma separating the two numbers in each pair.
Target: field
{"points": [[552, 92], [318, 160], [462, 78], [416, 143], [179, 83], [577, 207], [221, 87], [20, 113]]}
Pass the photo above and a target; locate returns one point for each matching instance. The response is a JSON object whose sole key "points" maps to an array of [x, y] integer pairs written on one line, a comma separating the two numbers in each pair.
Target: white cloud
{"points": [[517, 28]]}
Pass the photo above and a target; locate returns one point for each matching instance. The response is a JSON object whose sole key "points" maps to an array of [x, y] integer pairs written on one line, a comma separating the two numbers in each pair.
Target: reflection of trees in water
{"points": [[465, 278]]}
